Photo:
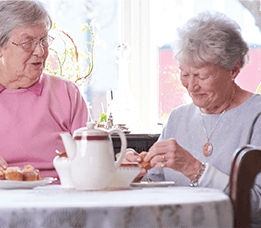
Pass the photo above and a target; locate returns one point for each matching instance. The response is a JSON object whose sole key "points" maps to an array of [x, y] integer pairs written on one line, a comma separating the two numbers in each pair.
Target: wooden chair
{"points": [[245, 166]]}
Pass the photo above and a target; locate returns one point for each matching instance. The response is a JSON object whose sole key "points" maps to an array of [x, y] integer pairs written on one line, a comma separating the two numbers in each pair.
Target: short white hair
{"points": [[211, 37], [15, 13]]}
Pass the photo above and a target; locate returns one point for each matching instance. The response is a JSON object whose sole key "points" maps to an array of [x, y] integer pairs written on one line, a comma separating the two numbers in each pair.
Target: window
{"points": [[133, 60], [150, 30], [70, 16]]}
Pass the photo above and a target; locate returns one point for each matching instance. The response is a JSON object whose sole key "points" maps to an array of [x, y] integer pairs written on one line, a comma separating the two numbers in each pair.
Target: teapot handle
{"points": [[123, 146]]}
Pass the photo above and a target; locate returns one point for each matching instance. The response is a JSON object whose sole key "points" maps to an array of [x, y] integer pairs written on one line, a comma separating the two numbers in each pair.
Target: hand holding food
{"points": [[145, 165], [168, 153], [133, 156]]}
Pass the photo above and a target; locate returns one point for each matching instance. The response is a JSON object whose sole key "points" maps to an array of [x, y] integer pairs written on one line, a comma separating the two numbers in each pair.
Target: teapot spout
{"points": [[69, 144]]}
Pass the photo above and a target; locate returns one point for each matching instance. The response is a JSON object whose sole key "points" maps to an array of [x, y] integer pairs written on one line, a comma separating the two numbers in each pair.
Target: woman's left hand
{"points": [[3, 163], [168, 153]]}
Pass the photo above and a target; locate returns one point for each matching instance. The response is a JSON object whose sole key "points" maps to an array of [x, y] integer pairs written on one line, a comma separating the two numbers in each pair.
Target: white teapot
{"points": [[90, 157]]}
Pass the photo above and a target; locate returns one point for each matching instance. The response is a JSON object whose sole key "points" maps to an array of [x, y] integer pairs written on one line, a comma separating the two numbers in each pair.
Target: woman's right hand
{"points": [[133, 156], [3, 163]]}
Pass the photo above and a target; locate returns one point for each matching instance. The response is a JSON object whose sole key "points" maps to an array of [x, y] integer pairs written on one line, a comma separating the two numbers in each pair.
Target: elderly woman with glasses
{"points": [[35, 107], [197, 144]]}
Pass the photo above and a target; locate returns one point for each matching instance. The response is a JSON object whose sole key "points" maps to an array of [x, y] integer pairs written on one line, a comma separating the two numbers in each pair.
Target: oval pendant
{"points": [[207, 149]]}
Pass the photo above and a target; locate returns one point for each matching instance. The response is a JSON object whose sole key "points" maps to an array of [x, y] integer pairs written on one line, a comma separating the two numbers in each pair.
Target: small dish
{"points": [[10, 184], [124, 175], [150, 184]]}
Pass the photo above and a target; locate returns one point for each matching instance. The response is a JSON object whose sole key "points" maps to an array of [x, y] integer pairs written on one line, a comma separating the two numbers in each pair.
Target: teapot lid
{"points": [[90, 130]]}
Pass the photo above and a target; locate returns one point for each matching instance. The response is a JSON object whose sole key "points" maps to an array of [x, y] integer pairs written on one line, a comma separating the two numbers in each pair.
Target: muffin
{"points": [[14, 173], [2, 174], [144, 164], [30, 173]]}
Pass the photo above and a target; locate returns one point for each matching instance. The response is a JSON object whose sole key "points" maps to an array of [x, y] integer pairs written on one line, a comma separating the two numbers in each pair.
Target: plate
{"points": [[8, 184], [153, 184]]}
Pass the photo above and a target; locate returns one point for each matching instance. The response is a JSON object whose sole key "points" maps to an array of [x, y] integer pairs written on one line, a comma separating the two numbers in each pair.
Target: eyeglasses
{"points": [[31, 45]]}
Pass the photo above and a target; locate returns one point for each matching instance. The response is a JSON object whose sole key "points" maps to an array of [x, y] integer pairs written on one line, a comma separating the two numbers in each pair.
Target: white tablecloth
{"points": [[51, 206]]}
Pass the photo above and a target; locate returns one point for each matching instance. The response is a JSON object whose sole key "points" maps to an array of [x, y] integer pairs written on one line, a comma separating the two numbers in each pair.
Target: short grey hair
{"points": [[211, 37], [15, 13]]}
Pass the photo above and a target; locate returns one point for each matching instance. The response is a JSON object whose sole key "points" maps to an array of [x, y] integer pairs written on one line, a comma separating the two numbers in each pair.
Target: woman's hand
{"points": [[169, 153], [133, 156], [3, 163]]}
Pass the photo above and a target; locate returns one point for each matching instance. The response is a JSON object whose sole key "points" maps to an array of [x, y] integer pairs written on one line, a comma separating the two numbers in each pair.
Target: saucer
{"points": [[150, 184]]}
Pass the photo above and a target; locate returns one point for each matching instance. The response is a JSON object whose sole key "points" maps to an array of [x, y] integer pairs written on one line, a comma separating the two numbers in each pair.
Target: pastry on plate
{"points": [[14, 173], [30, 173]]}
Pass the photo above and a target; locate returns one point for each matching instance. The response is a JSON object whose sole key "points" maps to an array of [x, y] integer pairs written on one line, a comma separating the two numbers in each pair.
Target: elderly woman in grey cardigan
{"points": [[197, 144]]}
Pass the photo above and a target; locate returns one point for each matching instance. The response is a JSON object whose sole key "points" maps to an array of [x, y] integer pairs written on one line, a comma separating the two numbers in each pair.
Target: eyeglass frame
{"points": [[49, 39]]}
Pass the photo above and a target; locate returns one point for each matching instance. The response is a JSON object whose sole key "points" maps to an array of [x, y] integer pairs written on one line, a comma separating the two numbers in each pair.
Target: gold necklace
{"points": [[208, 147]]}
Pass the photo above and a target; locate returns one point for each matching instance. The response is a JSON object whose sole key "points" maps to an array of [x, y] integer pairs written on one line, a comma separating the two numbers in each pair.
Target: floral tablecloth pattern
{"points": [[165, 207]]}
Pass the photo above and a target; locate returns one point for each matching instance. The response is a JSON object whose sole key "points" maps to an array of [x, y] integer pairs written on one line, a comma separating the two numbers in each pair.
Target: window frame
{"points": [[142, 73]]}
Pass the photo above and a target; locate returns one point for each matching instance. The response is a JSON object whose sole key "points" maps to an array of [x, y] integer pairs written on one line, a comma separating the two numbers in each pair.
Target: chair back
{"points": [[245, 166]]}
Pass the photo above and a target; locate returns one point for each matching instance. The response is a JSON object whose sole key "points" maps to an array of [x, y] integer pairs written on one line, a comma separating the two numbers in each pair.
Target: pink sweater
{"points": [[32, 119]]}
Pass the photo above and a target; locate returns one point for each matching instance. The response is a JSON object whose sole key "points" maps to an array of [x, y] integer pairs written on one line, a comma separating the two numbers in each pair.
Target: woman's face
{"points": [[20, 68], [210, 86]]}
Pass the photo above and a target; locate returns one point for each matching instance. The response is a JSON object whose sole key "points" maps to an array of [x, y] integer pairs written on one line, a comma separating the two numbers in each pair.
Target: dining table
{"points": [[140, 206]]}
